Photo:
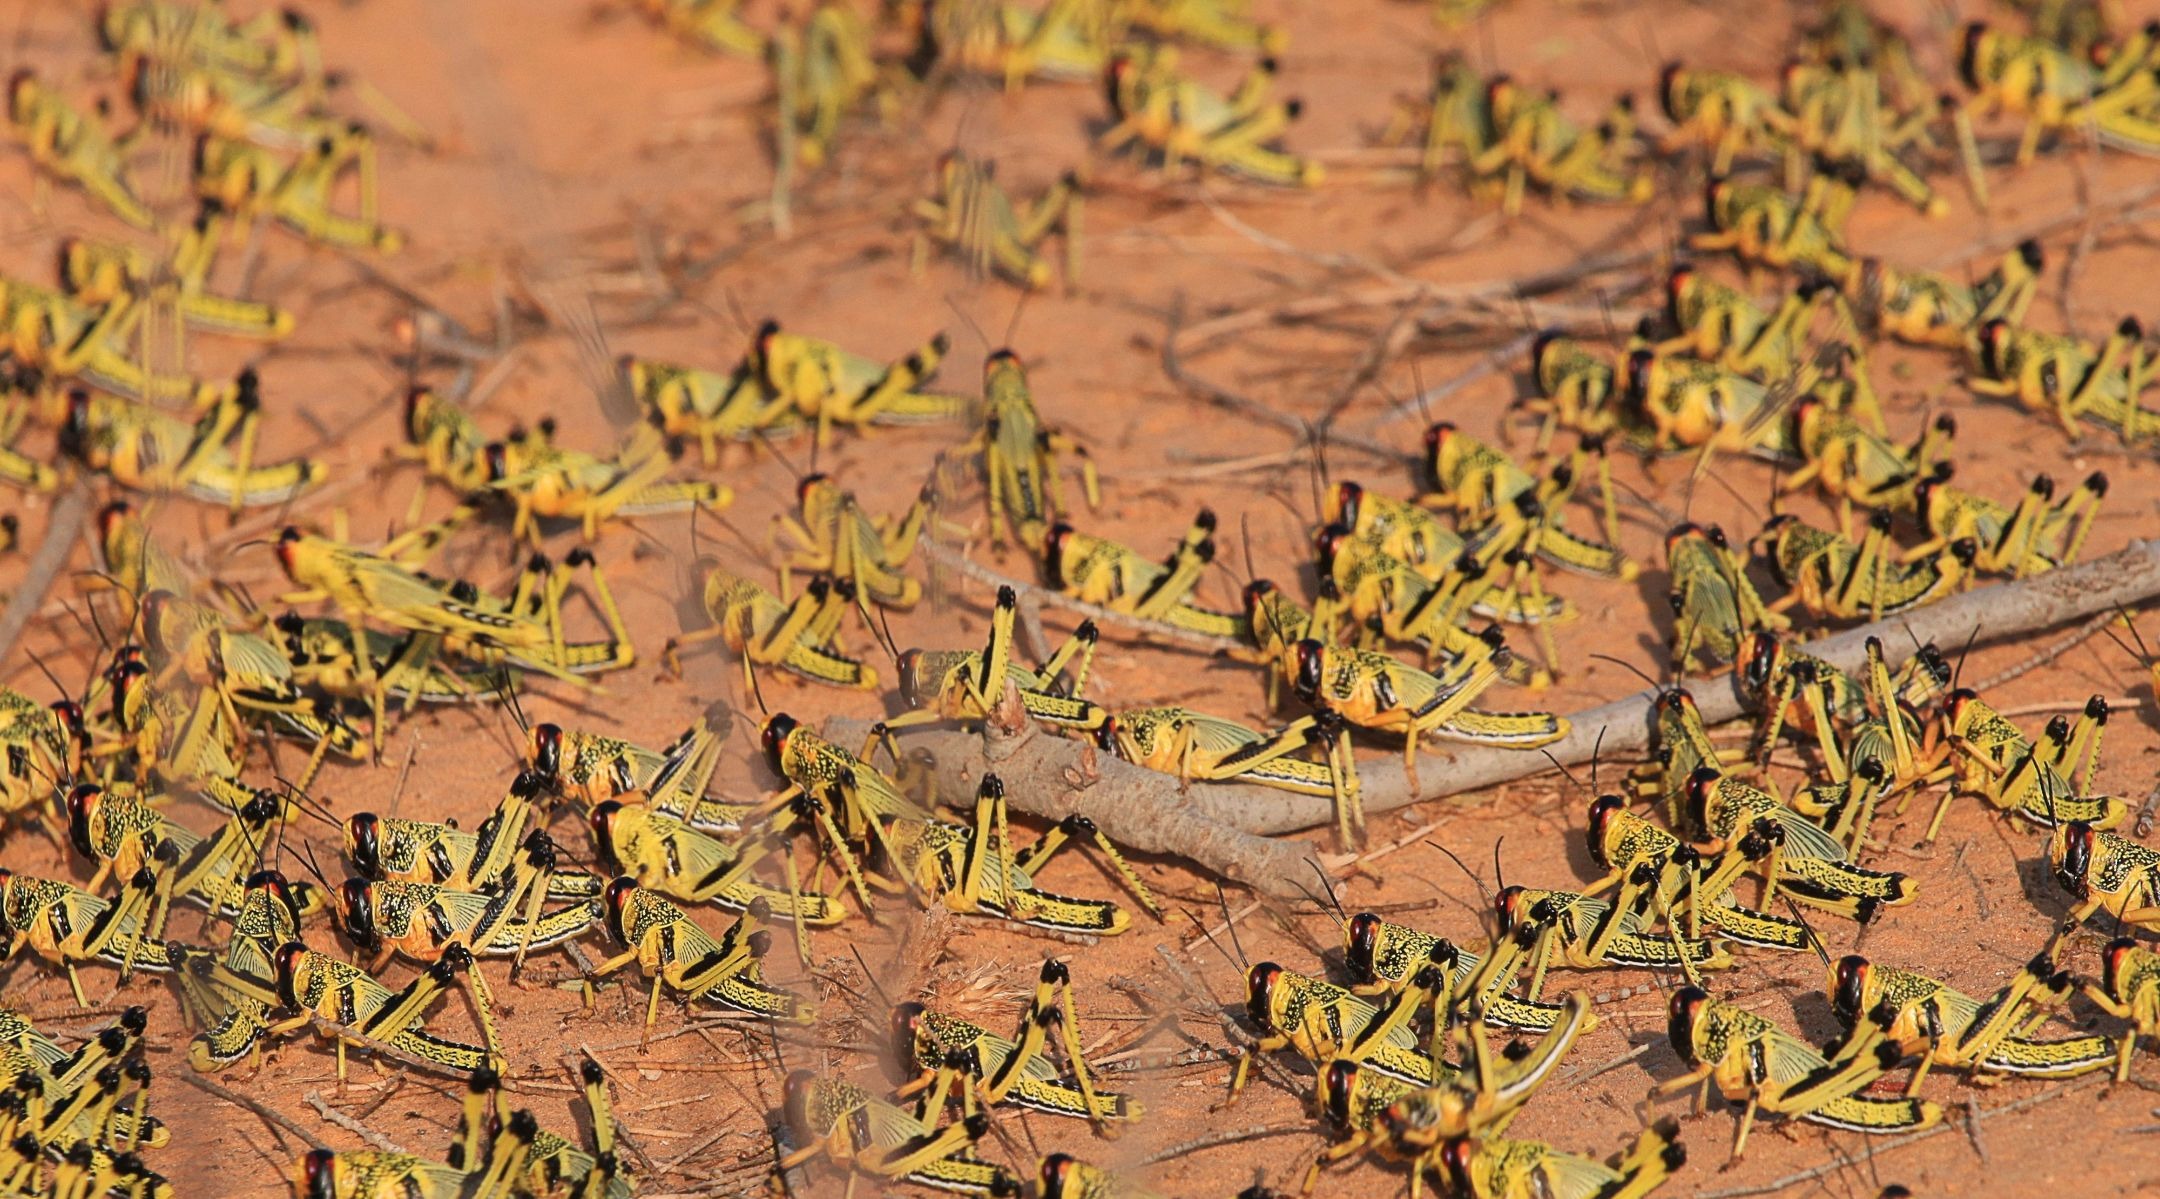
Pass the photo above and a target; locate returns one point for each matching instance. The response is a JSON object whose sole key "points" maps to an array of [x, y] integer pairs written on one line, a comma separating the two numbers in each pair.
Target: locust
{"points": [[1826, 573], [552, 1166], [526, 631], [841, 1121], [930, 1045], [98, 273], [124, 835], [822, 72], [1099, 571], [1062, 1176], [1749, 1058], [350, 1005], [1498, 1168], [66, 925], [835, 387], [1066, 39], [678, 861], [709, 407], [234, 1019], [146, 449], [1723, 112], [394, 849], [978, 221], [1532, 143], [75, 147], [1801, 857], [1946, 1027], [1195, 746], [715, 25], [2036, 535], [835, 537], [1373, 691], [1923, 308], [2129, 988], [1323, 1023], [1157, 106], [571, 484], [970, 684], [297, 190], [2067, 378], [1019, 456], [1766, 226], [2105, 872], [2041, 782], [2053, 91], [52, 335], [977, 868], [1381, 958], [1480, 1098], [670, 948], [1714, 603]]}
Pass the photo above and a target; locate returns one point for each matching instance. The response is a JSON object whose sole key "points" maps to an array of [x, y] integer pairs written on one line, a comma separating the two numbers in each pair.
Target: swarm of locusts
{"points": [[186, 766]]}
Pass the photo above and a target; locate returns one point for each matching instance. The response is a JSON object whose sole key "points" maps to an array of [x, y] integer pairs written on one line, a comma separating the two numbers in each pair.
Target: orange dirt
{"points": [[570, 141]]}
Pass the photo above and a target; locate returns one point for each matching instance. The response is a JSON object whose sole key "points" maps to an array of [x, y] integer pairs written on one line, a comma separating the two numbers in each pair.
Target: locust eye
{"points": [[1256, 592], [809, 481], [2113, 961], [1849, 992], [110, 517], [1602, 811], [1341, 1084], [910, 689], [1260, 983], [797, 1103], [1507, 906], [1687, 1002], [287, 964], [603, 824], [618, 898], [1457, 1154], [1362, 946], [1436, 437], [2076, 858], [776, 733], [1054, 554], [82, 805], [1762, 656], [1056, 1172], [357, 898], [1349, 500], [1638, 375], [1106, 735], [318, 1173], [363, 843], [906, 1021], [547, 750], [1327, 542], [1311, 660]]}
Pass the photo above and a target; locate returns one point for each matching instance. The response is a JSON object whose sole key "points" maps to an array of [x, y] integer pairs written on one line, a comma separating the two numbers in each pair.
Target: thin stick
{"points": [[1227, 1137], [267, 1115], [355, 1127], [52, 555], [2061, 646]]}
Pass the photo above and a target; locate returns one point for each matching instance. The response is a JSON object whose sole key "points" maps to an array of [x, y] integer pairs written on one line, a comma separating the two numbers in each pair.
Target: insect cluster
{"points": [[730, 900]]}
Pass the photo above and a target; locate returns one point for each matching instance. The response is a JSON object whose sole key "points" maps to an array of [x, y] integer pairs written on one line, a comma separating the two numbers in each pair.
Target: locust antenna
{"points": [[1484, 896], [870, 974], [1814, 941], [1222, 902]]}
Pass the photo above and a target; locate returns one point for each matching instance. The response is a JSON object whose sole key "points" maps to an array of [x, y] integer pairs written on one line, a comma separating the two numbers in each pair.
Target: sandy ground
{"points": [[572, 141]]}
